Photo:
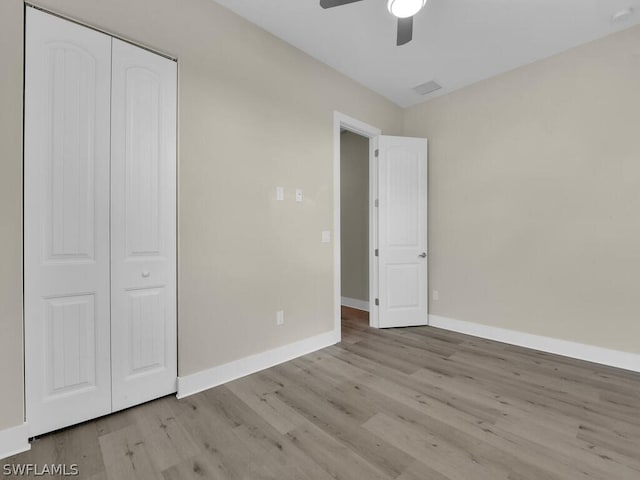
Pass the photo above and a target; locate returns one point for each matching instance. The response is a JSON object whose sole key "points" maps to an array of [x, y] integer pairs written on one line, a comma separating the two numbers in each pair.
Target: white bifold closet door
{"points": [[99, 224], [66, 223], [143, 225]]}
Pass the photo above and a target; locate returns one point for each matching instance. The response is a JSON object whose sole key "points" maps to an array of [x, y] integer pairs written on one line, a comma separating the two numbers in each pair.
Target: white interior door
{"points": [[402, 231], [143, 225], [66, 223]]}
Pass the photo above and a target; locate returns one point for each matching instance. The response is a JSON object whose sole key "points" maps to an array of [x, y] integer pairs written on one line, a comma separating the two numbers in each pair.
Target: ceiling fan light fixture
{"points": [[405, 8]]}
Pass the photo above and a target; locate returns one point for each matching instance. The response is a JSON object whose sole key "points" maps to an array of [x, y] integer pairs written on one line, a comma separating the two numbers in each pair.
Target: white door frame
{"points": [[342, 121]]}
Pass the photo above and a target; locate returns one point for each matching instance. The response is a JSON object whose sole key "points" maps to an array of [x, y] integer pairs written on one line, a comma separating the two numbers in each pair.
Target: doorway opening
{"points": [[354, 227], [355, 221]]}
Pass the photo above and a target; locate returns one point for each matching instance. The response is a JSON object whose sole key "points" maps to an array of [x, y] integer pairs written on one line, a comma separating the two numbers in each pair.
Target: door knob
{"points": [[423, 255], [146, 274]]}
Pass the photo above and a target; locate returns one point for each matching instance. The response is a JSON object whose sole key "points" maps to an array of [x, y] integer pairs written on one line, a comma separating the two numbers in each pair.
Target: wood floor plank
{"points": [[509, 406], [339, 461], [420, 471], [125, 455], [167, 443], [447, 459], [233, 425], [336, 418], [270, 407], [201, 466], [283, 458], [116, 421], [223, 451]]}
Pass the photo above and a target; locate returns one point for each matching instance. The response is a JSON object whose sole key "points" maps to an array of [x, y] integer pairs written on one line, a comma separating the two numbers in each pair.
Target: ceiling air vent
{"points": [[427, 88]]}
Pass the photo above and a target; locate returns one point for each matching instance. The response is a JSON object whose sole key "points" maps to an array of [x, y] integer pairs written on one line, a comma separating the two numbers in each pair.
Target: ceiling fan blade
{"points": [[405, 30], [336, 3]]}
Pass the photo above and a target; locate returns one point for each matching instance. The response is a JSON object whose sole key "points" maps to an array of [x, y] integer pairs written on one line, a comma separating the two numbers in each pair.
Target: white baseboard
{"points": [[580, 351], [14, 440], [355, 303], [197, 382]]}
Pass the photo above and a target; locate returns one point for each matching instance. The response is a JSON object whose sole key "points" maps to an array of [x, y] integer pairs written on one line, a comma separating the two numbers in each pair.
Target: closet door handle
{"points": [[146, 274], [423, 255]]}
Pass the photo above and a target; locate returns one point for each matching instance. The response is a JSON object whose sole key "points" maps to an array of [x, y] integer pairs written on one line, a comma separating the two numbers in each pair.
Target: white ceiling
{"points": [[455, 42]]}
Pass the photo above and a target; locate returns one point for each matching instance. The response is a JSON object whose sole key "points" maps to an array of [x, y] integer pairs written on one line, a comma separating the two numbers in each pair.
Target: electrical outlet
{"points": [[436, 295], [280, 317], [298, 194], [279, 193]]}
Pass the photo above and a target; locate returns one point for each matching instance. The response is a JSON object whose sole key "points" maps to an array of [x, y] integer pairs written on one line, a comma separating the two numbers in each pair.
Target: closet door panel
{"points": [[143, 225], [66, 223]]}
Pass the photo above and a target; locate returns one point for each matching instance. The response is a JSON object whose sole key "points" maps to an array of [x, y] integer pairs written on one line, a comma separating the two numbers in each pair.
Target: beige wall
{"points": [[254, 113], [354, 215], [534, 201], [11, 398]]}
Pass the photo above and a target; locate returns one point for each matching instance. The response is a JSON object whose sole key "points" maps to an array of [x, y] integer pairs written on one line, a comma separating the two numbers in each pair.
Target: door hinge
{"points": [[377, 203], [376, 153], [377, 302], [376, 252]]}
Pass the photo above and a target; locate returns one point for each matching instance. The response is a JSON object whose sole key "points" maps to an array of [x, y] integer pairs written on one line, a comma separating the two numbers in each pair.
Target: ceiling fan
{"points": [[403, 9]]}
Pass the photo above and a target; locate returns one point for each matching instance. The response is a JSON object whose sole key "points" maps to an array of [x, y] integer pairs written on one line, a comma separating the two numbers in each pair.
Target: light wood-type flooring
{"points": [[406, 404]]}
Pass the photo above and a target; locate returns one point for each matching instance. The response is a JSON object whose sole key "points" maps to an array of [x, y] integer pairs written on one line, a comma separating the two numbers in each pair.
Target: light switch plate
{"points": [[298, 194], [279, 193], [326, 236]]}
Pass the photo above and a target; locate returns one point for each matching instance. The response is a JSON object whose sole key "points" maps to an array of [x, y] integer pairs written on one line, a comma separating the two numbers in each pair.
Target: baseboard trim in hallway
{"points": [[580, 351], [200, 381], [14, 440], [355, 303]]}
